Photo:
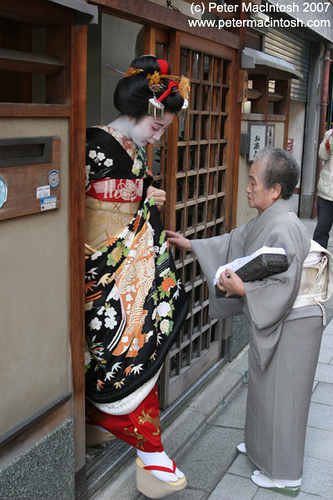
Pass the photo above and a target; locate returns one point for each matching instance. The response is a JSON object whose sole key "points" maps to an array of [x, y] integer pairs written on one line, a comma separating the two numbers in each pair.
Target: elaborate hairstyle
{"points": [[136, 89], [280, 168]]}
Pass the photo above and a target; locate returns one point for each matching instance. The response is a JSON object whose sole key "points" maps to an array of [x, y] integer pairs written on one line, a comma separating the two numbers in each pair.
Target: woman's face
{"points": [[258, 196], [148, 129]]}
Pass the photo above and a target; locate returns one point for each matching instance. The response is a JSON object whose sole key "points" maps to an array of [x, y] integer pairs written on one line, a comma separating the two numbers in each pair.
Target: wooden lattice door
{"points": [[196, 176]]}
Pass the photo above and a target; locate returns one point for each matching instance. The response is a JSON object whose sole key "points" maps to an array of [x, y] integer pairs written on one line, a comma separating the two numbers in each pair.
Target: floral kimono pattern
{"points": [[135, 304]]}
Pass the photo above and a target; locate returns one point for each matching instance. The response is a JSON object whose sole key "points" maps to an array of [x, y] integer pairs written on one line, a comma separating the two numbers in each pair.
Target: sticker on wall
{"points": [[43, 191], [290, 146], [3, 192], [48, 203], [54, 178]]}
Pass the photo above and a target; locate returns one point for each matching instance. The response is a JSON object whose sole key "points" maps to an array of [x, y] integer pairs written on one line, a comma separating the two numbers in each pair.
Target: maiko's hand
{"points": [[159, 196], [231, 283]]}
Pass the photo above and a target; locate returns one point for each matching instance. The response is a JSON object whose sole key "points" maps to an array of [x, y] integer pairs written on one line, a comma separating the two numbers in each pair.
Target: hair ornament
{"points": [[158, 83], [183, 112], [155, 108], [118, 71], [172, 88], [154, 80], [125, 74], [184, 87], [165, 68], [132, 71]]}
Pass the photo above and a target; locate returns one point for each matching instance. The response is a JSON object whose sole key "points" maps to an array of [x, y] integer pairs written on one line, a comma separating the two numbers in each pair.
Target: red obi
{"points": [[122, 190]]}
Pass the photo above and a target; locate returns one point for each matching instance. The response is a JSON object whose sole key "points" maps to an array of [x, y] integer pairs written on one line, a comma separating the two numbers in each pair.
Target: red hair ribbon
{"points": [[327, 145], [169, 90], [164, 66]]}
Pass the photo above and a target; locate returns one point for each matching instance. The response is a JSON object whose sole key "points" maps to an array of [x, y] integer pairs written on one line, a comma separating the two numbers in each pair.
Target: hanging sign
{"points": [[258, 137]]}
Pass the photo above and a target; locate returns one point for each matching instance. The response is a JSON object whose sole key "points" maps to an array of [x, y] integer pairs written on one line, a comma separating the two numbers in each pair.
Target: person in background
{"points": [[135, 304], [286, 321], [325, 191]]}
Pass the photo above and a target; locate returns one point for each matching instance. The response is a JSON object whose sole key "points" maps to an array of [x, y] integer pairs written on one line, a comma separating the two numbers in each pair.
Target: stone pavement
{"points": [[203, 437]]}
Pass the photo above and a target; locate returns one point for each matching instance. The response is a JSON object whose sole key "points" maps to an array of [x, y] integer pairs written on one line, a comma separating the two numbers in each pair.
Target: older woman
{"points": [[135, 305], [285, 317]]}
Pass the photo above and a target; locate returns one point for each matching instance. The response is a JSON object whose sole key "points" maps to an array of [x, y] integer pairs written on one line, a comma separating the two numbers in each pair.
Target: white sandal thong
{"points": [[241, 449], [291, 488], [152, 487]]}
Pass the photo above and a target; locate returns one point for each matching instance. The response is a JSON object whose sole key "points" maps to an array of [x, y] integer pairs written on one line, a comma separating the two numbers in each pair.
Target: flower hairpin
{"points": [[154, 79], [184, 87], [132, 71]]}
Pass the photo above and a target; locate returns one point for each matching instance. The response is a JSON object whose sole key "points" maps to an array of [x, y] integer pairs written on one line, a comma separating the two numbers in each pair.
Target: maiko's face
{"points": [[148, 129]]}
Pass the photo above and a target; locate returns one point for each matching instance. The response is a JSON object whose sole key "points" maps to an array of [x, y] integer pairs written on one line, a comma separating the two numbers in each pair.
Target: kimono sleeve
{"points": [[270, 300], [213, 253]]}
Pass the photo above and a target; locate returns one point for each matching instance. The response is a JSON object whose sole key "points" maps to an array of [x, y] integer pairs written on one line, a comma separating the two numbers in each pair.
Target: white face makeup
{"points": [[148, 130]]}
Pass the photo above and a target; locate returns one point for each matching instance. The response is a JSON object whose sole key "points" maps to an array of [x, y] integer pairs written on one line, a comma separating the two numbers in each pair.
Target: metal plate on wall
{"points": [[30, 175]]}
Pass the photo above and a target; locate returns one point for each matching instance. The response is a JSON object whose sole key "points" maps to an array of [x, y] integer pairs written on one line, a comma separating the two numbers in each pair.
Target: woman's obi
{"points": [[111, 205], [119, 190], [316, 285]]}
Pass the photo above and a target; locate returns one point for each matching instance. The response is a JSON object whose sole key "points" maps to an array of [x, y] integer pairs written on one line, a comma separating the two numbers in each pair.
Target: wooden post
{"points": [[172, 150], [77, 240]]}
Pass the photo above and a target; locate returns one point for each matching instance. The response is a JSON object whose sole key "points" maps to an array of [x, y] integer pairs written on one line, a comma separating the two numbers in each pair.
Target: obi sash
{"points": [[116, 190], [316, 285]]}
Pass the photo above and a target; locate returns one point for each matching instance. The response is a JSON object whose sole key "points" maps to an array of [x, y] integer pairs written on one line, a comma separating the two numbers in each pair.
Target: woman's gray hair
{"points": [[280, 168]]}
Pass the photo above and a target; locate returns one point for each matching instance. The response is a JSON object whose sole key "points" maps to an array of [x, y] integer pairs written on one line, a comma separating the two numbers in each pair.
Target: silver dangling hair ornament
{"points": [[155, 106], [183, 112]]}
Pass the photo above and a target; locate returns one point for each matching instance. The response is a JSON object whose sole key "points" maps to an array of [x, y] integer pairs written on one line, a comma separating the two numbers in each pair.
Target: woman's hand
{"points": [[231, 283], [178, 241], [159, 196]]}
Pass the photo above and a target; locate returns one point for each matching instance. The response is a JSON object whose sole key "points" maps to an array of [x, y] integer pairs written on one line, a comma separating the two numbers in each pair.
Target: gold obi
{"points": [[105, 220]]}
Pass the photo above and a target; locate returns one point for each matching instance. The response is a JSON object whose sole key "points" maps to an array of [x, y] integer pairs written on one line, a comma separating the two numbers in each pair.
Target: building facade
{"points": [[254, 83]]}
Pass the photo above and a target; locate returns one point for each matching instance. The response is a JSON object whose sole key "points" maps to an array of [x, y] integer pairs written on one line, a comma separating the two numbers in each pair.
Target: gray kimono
{"points": [[284, 343]]}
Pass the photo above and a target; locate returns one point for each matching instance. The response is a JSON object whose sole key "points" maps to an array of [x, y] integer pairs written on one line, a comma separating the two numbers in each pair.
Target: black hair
{"points": [[280, 168], [133, 93]]}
